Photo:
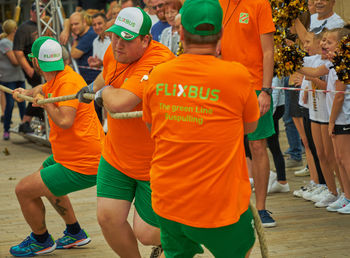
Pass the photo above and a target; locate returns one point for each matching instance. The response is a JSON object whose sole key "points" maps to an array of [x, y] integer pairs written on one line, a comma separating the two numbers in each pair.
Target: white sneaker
{"points": [[311, 192], [299, 193], [327, 199], [279, 188], [303, 172], [272, 179], [319, 196], [345, 209], [338, 204]]}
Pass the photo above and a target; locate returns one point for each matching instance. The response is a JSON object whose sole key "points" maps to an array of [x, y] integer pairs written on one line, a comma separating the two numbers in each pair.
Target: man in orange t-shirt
{"points": [[248, 39], [76, 142], [199, 179], [123, 174]]}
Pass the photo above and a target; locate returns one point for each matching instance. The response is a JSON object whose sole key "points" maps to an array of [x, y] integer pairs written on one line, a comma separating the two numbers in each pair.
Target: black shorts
{"points": [[341, 129], [34, 111]]}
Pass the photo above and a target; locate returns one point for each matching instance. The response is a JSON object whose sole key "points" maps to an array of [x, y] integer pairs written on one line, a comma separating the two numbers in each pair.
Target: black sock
{"points": [[42, 237], [73, 228]]}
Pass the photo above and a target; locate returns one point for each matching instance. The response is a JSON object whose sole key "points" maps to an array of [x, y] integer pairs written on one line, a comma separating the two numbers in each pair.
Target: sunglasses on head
{"points": [[159, 6]]}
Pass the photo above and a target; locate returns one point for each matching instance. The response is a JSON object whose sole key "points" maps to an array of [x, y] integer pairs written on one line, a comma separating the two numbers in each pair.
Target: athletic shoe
{"points": [[279, 188], [315, 191], [6, 136], [303, 172], [272, 180], [266, 220], [68, 240], [345, 209], [319, 196], [327, 199], [25, 128], [156, 251], [299, 193], [338, 204], [31, 247]]}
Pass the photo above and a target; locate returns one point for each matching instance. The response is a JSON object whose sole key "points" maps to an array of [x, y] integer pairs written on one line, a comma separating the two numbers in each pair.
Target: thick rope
{"points": [[260, 231]]}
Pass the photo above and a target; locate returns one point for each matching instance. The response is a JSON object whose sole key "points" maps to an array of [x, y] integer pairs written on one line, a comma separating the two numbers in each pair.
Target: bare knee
{"points": [[258, 147], [148, 236], [21, 189]]}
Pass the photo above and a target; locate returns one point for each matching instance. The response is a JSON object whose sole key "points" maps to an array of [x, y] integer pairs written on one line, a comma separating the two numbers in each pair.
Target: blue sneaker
{"points": [[31, 247], [266, 220], [70, 241]]}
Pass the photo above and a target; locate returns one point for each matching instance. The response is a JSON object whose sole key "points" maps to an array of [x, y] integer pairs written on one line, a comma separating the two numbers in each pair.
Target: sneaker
{"points": [[266, 220], [303, 172], [292, 163], [314, 191], [272, 180], [299, 193], [279, 188], [69, 240], [319, 196], [327, 199], [25, 128], [6, 136], [345, 209], [338, 204], [156, 251], [31, 247]]}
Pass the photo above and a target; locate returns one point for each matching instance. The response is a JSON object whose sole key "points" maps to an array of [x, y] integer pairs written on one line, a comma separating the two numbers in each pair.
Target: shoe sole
{"points": [[47, 250], [75, 244], [269, 225], [302, 175]]}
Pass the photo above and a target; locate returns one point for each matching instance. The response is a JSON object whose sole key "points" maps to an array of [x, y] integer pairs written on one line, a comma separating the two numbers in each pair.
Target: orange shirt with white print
{"points": [[128, 146], [79, 147], [244, 21], [199, 174]]}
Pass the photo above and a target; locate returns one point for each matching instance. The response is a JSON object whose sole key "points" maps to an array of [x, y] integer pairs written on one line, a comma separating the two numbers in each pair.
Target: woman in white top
{"points": [[170, 37], [11, 74]]}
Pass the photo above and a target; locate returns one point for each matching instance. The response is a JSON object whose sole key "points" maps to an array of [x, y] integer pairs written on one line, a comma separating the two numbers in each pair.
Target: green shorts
{"points": [[179, 240], [111, 183], [61, 180], [265, 126]]}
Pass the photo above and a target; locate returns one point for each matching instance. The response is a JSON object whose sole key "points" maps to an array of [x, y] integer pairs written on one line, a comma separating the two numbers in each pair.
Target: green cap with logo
{"points": [[198, 12], [49, 54], [131, 22]]}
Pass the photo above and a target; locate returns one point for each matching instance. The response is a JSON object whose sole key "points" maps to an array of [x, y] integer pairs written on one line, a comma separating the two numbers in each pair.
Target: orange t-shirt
{"points": [[128, 146], [79, 147], [199, 174], [243, 23]]}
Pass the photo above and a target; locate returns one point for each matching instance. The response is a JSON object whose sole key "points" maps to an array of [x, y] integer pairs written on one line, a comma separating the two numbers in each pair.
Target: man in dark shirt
{"points": [[26, 34], [82, 45], [156, 31]]}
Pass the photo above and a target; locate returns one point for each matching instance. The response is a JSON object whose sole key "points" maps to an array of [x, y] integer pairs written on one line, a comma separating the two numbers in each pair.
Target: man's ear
{"points": [[146, 40]]}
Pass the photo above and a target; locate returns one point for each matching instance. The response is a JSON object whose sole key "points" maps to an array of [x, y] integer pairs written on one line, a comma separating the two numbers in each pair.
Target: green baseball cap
{"points": [[130, 23], [197, 12], [49, 54]]}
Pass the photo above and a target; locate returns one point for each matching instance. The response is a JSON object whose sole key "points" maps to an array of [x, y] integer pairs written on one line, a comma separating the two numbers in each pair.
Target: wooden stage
{"points": [[302, 231]]}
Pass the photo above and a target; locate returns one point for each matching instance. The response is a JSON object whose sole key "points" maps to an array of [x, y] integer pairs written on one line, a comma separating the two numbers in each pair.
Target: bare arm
{"points": [[76, 53], [99, 82], [24, 63], [11, 56], [64, 36], [264, 99], [250, 127], [314, 72], [337, 105], [300, 29], [320, 84], [119, 100], [62, 116]]}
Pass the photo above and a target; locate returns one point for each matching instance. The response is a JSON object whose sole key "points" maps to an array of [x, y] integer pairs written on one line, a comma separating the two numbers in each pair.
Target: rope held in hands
{"points": [[127, 115]]}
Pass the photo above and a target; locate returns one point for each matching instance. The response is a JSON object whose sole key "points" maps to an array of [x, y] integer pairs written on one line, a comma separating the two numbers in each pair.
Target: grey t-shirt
{"points": [[8, 72]]}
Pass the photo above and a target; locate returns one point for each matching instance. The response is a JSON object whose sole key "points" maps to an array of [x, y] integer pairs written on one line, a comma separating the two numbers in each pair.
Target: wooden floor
{"points": [[302, 231]]}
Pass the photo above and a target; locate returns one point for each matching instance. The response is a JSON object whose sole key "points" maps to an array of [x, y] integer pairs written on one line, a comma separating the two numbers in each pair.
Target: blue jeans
{"points": [[10, 103], [295, 148]]}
